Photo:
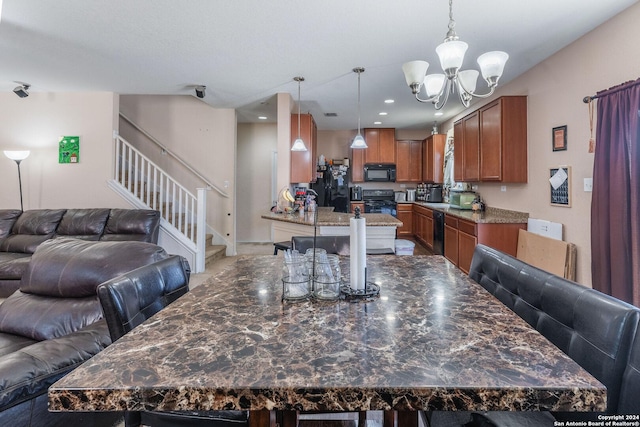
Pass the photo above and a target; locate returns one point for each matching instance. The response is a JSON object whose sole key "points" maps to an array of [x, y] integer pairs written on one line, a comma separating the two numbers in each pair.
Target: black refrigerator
{"points": [[332, 187]]}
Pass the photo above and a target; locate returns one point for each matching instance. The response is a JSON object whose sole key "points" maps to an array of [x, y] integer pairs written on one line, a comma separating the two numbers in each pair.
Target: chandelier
{"points": [[451, 53]]}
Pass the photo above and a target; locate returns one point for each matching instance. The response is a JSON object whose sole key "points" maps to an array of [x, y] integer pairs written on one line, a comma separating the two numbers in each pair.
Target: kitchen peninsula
{"points": [[381, 228]]}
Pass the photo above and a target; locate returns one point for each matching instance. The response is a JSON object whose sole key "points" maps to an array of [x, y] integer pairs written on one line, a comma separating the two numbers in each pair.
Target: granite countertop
{"points": [[490, 215], [432, 340], [328, 218]]}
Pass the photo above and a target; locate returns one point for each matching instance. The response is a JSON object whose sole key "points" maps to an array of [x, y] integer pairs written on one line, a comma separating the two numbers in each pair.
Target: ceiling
{"points": [[246, 51]]}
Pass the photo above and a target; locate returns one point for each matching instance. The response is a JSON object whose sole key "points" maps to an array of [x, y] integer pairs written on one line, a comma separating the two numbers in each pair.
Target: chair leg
{"points": [[132, 419]]}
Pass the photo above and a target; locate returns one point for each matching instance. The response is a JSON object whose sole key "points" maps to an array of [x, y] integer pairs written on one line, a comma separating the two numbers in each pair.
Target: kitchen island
{"points": [[381, 228], [432, 340]]}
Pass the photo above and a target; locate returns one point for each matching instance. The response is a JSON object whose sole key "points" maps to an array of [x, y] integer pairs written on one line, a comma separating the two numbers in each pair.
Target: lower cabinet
{"points": [[405, 214], [462, 236], [423, 225]]}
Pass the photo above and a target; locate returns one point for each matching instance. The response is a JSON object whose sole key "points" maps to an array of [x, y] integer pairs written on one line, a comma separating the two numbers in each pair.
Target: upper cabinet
{"points": [[433, 158], [409, 161], [503, 144], [381, 148], [490, 144], [381, 145], [466, 148], [303, 163]]}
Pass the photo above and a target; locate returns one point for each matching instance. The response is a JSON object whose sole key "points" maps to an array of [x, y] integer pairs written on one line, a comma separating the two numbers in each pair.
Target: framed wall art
{"points": [[559, 139], [69, 149], [560, 186]]}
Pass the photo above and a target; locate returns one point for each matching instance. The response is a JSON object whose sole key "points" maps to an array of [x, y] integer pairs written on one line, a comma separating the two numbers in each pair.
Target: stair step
{"points": [[214, 253]]}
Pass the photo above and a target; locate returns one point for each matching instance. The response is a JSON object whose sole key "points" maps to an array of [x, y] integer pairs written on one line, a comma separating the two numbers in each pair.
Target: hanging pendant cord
{"points": [[358, 102], [299, 109]]}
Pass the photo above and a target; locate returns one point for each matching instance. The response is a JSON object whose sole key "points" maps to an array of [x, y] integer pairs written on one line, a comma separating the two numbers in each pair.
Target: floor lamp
{"points": [[18, 156]]}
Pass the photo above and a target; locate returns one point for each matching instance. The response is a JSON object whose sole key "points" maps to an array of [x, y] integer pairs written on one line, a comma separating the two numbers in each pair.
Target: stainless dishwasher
{"points": [[438, 232]]}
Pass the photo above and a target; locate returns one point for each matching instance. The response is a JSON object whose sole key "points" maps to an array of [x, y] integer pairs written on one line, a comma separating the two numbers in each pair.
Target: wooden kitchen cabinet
{"points": [[433, 158], [466, 151], [409, 161], [461, 237], [357, 164], [503, 140], [405, 214], [381, 148], [423, 225], [490, 144], [304, 163], [381, 145], [451, 238]]}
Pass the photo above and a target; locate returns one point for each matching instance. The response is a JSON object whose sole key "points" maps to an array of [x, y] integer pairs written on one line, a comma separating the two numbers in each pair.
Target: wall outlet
{"points": [[588, 184], [403, 185], [503, 188]]}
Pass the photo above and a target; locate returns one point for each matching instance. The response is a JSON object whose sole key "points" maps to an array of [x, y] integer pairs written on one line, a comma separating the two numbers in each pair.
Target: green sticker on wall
{"points": [[69, 151]]}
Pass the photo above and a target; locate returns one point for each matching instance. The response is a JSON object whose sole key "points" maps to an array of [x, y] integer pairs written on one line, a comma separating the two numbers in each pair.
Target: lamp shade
{"points": [[468, 80], [433, 84], [359, 142], [492, 64], [298, 145], [415, 71], [17, 155], [451, 55]]}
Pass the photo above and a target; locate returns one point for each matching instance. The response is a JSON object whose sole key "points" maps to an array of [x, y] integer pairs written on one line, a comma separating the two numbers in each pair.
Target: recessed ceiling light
{"points": [[382, 113], [377, 123], [389, 101], [262, 117], [439, 113]]}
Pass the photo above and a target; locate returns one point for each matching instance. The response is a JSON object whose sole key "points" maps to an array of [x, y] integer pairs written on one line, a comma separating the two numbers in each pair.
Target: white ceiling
{"points": [[245, 51]]}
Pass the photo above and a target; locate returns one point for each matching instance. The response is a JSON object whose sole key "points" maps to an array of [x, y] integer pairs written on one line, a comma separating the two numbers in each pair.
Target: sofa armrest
{"points": [[30, 371]]}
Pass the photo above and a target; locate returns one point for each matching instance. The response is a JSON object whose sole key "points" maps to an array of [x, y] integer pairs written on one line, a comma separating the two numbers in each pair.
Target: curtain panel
{"points": [[615, 205]]}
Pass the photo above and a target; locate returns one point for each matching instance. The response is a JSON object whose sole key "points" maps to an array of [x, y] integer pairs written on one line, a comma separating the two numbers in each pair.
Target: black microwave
{"points": [[380, 172]]}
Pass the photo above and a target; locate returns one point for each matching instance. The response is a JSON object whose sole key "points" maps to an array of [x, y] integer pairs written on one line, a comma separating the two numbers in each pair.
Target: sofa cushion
{"points": [[10, 343], [8, 217], [86, 224], [31, 229], [13, 265], [132, 224], [66, 267], [43, 318], [30, 370]]}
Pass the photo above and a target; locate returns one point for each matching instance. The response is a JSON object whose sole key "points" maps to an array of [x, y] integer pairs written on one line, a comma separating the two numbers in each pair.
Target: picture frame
{"points": [[559, 138], [561, 194]]}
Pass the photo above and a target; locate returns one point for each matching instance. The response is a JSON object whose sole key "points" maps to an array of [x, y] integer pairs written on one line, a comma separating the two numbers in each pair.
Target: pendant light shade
{"points": [[298, 144], [358, 141]]}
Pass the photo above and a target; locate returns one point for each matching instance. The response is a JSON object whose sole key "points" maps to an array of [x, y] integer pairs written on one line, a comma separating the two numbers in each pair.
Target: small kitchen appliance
{"points": [[356, 193], [380, 172], [461, 199]]}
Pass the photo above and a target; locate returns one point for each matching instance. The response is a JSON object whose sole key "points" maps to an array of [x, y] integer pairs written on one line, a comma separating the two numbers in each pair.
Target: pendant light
{"points": [[358, 141], [298, 144]]}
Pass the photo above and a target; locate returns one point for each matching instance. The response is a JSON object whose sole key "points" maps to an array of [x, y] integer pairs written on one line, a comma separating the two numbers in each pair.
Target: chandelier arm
{"points": [[485, 95], [446, 90], [433, 99]]}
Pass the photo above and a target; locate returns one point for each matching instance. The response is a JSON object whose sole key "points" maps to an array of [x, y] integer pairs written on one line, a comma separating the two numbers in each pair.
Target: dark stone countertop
{"points": [[490, 216], [328, 218], [432, 340]]}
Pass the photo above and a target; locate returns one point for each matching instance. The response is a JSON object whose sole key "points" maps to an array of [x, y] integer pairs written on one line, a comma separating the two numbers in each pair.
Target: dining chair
{"points": [[338, 245], [129, 300]]}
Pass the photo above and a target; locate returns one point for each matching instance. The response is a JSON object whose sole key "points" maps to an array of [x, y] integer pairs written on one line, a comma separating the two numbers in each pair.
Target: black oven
{"points": [[380, 172], [379, 201]]}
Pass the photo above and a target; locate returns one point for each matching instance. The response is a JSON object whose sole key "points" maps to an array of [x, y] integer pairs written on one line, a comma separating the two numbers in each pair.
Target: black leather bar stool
{"points": [[281, 246]]}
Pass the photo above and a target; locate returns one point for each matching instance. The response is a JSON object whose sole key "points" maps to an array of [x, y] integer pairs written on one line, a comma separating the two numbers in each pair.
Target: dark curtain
{"points": [[615, 205]]}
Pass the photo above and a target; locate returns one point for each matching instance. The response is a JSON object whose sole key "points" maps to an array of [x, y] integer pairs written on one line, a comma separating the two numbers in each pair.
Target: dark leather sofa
{"points": [[599, 332], [54, 322], [22, 232]]}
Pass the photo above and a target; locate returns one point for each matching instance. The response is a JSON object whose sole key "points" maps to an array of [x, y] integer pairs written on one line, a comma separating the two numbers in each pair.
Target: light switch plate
{"points": [[588, 184], [503, 188]]}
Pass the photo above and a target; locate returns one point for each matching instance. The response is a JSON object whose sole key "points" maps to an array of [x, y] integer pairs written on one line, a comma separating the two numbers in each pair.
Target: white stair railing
{"points": [[159, 191]]}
